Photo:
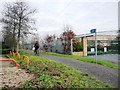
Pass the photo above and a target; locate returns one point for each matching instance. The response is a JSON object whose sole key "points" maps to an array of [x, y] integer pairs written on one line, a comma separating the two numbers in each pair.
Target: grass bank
{"points": [[51, 74], [86, 59]]}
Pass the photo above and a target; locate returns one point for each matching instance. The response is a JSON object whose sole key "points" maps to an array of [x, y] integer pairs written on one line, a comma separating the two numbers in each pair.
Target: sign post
{"points": [[94, 31]]}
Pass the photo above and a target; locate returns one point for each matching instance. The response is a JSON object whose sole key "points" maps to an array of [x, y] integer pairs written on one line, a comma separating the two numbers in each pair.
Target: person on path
{"points": [[36, 46]]}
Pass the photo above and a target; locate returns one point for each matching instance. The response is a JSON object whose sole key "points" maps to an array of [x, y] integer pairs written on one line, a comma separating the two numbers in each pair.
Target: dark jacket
{"points": [[36, 45]]}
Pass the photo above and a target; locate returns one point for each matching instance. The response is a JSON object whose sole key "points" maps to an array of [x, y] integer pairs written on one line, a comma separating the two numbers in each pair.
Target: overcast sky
{"points": [[81, 15]]}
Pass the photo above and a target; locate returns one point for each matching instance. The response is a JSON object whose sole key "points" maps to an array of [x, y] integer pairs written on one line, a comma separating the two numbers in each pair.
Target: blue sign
{"points": [[93, 31]]}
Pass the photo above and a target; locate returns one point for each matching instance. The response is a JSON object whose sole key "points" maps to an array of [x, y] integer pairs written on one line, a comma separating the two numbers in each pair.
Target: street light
{"points": [[71, 46]]}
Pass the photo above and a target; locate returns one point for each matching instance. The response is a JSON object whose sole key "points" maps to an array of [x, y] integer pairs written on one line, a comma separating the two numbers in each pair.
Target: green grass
{"points": [[86, 59], [51, 74]]}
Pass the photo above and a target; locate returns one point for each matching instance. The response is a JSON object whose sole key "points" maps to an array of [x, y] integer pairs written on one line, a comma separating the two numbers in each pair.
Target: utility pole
{"points": [[71, 46]]}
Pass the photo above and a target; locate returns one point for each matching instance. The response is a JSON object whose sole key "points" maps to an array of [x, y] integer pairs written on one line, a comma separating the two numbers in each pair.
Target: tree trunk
{"points": [[17, 49], [19, 29], [14, 38]]}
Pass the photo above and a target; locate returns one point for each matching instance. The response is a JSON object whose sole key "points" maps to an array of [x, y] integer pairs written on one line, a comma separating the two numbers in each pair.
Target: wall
{"points": [[77, 53], [57, 46]]}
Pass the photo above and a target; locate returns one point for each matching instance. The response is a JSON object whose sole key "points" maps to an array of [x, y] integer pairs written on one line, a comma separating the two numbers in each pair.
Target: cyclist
{"points": [[36, 45]]}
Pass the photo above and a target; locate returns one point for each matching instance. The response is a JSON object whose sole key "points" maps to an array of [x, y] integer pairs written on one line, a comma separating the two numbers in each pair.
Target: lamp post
{"points": [[71, 46]]}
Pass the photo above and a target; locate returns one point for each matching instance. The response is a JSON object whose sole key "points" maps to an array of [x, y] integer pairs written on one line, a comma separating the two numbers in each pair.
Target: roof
{"points": [[85, 35]]}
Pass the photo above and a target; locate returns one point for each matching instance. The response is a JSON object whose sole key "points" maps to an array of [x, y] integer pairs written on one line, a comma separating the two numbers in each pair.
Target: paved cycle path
{"points": [[102, 73]]}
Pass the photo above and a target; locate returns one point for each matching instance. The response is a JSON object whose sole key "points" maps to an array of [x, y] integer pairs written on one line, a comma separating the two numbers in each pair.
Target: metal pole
{"points": [[96, 47], [71, 46]]}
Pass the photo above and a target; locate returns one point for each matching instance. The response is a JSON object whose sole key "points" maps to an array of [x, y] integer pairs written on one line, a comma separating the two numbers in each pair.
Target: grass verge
{"points": [[86, 59], [51, 74]]}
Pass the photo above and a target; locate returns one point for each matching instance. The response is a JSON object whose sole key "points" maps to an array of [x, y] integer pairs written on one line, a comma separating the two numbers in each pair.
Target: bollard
{"points": [[17, 55], [11, 53], [28, 62]]}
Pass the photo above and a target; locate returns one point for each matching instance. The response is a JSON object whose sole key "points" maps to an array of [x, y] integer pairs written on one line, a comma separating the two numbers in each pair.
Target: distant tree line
{"points": [[65, 38]]}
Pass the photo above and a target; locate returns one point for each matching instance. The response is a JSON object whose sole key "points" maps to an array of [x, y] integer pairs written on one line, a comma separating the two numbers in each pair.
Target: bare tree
{"points": [[17, 17], [66, 37], [9, 25], [48, 42]]}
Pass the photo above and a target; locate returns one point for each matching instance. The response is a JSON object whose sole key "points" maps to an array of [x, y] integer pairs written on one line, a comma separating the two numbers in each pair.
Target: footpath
{"points": [[102, 73]]}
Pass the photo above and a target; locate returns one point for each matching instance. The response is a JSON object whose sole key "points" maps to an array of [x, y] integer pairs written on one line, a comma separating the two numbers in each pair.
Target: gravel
{"points": [[102, 73], [13, 76]]}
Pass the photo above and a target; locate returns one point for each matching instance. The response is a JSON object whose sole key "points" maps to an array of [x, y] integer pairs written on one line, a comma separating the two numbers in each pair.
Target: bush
{"points": [[77, 46], [5, 49]]}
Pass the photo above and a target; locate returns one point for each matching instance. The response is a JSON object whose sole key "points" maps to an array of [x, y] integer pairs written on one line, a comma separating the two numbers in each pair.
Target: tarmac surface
{"points": [[114, 58], [102, 73]]}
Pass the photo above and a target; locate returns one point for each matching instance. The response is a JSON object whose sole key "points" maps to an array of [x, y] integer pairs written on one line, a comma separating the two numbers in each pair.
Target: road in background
{"points": [[114, 58]]}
